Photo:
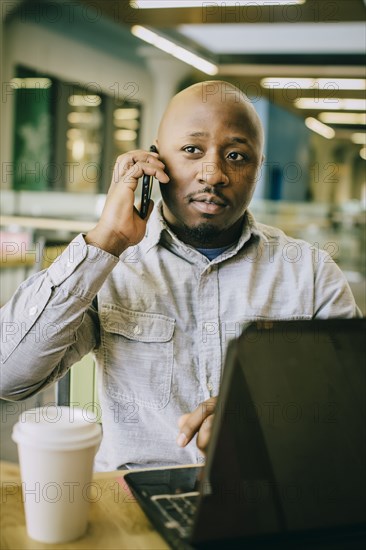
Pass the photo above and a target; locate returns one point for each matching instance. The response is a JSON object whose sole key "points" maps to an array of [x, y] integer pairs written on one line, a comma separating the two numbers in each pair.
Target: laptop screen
{"points": [[287, 451]]}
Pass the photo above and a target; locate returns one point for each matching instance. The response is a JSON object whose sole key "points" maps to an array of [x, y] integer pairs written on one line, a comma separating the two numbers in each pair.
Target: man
{"points": [[158, 304]]}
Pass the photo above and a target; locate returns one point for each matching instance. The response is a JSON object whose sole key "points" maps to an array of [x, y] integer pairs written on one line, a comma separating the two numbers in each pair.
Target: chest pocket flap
{"points": [[138, 356], [137, 325]]}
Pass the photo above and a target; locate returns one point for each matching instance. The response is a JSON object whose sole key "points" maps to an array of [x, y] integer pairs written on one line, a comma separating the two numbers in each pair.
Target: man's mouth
{"points": [[207, 203]]}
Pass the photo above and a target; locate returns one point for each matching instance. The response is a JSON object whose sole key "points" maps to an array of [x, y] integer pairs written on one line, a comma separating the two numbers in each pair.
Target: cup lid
{"points": [[55, 427]]}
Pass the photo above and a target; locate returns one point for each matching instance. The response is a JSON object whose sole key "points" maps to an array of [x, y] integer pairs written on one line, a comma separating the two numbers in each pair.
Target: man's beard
{"points": [[204, 234]]}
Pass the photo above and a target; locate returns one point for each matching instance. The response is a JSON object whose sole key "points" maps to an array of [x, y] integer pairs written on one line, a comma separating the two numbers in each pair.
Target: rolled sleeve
{"points": [[41, 323], [86, 282]]}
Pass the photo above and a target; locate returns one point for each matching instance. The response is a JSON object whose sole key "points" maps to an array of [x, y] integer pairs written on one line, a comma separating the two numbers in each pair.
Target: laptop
{"points": [[286, 463]]}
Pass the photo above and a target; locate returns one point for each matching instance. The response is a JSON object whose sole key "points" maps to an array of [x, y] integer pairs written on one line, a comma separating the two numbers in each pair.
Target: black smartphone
{"points": [[147, 182]]}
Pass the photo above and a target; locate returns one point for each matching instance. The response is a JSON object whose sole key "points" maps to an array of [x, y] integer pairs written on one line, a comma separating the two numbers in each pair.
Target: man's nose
{"points": [[213, 172]]}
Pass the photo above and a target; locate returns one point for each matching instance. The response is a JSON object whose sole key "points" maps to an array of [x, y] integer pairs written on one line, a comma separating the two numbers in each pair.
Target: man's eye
{"points": [[191, 149], [234, 155]]}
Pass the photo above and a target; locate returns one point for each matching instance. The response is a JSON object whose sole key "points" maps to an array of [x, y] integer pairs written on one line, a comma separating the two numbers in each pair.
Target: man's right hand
{"points": [[120, 225], [197, 422]]}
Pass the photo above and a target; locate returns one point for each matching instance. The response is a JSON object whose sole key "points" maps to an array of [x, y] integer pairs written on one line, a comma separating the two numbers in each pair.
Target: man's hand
{"points": [[197, 422], [120, 225]]}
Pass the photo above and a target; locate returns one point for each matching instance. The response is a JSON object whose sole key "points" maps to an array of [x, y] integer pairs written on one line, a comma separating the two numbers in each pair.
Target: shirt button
{"points": [[208, 270], [69, 264], [136, 329], [33, 310], [209, 386]]}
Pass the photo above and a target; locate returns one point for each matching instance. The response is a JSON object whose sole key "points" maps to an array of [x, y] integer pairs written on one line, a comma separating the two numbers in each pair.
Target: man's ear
{"points": [[262, 160]]}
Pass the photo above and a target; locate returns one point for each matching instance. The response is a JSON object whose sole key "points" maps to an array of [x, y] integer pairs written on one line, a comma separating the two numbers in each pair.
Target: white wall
{"points": [[52, 53], [48, 51]]}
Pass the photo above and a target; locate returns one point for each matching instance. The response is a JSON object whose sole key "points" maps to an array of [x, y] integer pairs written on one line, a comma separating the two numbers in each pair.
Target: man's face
{"points": [[212, 151]]}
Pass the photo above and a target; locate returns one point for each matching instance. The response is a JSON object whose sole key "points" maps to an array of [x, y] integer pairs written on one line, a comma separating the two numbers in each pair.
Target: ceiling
{"points": [[317, 39], [320, 38]]}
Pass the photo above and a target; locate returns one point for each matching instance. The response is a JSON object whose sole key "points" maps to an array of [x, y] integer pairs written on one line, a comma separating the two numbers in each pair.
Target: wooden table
{"points": [[116, 520]]}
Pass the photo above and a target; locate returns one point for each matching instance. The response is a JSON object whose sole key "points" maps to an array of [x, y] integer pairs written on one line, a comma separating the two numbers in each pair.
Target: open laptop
{"points": [[286, 464]]}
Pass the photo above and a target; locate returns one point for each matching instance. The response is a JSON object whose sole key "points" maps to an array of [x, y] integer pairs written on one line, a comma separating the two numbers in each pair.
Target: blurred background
{"points": [[84, 81]]}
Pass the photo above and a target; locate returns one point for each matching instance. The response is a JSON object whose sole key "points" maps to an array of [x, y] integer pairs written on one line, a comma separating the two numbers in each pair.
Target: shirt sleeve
{"points": [[333, 295], [51, 322]]}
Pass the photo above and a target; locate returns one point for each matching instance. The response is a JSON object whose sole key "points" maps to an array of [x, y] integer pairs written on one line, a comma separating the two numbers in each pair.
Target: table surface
{"points": [[116, 520]]}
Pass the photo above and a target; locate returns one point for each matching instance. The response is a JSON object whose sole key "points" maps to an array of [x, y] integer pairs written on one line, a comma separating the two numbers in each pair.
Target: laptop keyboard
{"points": [[178, 510]]}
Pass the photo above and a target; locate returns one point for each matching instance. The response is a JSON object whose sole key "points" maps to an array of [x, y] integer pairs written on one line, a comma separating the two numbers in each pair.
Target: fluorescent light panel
{"points": [[359, 138], [343, 118], [317, 83], [173, 49], [84, 100], [161, 4], [30, 83], [320, 128], [125, 135], [126, 114], [331, 103]]}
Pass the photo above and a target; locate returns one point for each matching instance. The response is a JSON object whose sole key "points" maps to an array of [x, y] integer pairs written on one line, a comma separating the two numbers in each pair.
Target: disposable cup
{"points": [[56, 447]]}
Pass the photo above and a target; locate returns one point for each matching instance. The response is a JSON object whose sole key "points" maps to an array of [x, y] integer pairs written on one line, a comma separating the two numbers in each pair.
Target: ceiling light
{"points": [[320, 128], [85, 100], [343, 118], [276, 82], [125, 135], [318, 83], [126, 114], [359, 138], [331, 103], [76, 117], [363, 153], [29, 83], [161, 4], [173, 49], [74, 133], [78, 149], [132, 124], [341, 83]]}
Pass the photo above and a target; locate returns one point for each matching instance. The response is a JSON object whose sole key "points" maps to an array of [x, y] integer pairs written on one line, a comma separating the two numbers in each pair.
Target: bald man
{"points": [[157, 301]]}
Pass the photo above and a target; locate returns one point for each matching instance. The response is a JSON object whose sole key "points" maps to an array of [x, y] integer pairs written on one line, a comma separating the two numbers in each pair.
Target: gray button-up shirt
{"points": [[158, 319]]}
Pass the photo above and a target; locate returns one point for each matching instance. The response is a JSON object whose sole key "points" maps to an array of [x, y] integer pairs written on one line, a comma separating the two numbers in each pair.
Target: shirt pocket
{"points": [[138, 355]]}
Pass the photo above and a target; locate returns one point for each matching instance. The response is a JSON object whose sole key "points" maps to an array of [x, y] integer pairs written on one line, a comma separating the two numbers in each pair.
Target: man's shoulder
{"points": [[272, 233]]}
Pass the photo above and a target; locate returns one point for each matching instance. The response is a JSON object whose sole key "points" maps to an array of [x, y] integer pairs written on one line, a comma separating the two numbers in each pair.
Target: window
{"points": [[66, 136], [34, 129]]}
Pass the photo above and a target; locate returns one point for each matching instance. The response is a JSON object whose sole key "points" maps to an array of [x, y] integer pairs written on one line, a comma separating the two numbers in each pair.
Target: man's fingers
{"points": [[135, 172], [182, 419], [133, 165], [190, 424], [204, 434], [149, 209]]}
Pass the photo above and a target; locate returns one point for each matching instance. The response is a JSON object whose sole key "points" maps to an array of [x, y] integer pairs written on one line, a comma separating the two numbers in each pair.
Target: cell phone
{"points": [[147, 182]]}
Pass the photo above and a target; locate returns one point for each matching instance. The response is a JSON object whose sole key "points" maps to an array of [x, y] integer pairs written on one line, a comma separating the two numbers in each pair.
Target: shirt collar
{"points": [[158, 231], [155, 227]]}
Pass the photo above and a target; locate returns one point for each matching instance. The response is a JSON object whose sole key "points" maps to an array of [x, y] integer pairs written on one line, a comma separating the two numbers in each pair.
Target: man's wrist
{"points": [[109, 242]]}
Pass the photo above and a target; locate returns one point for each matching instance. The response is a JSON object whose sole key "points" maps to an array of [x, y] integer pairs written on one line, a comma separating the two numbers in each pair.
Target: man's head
{"points": [[211, 141]]}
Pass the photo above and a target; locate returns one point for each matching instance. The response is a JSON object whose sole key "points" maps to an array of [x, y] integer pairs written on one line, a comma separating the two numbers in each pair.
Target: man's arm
{"points": [[333, 297], [50, 322]]}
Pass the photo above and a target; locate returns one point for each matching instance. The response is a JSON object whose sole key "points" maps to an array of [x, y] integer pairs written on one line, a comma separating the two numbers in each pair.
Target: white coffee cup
{"points": [[56, 447]]}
